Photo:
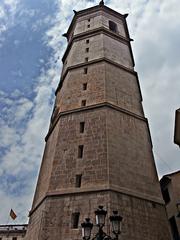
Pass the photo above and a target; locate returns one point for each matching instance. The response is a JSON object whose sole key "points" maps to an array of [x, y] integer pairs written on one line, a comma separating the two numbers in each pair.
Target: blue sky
{"points": [[31, 47]]}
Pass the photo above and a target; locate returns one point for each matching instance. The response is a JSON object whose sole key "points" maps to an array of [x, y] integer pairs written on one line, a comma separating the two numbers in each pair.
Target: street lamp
{"points": [[86, 229], [116, 221], [100, 214]]}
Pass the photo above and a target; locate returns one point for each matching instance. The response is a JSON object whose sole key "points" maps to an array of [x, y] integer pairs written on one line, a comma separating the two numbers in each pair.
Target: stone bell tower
{"points": [[98, 149]]}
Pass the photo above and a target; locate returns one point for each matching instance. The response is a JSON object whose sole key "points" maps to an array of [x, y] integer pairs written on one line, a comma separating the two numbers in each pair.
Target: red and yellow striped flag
{"points": [[13, 214]]}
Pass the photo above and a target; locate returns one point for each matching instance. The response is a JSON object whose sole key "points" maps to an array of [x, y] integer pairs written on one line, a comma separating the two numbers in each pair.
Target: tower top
{"points": [[100, 7], [101, 2]]}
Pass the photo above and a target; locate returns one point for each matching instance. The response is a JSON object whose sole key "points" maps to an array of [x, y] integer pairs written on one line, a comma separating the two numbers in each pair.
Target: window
{"points": [[78, 180], [83, 103], [88, 25], [89, 20], [86, 59], [84, 86], [87, 41], [113, 26], [14, 238], [80, 151], [75, 219], [82, 125], [85, 70], [166, 196], [87, 49]]}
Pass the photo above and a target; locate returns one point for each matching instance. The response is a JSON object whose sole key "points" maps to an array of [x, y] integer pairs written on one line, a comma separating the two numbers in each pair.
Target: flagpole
{"points": [[8, 226], [8, 219], [13, 215]]}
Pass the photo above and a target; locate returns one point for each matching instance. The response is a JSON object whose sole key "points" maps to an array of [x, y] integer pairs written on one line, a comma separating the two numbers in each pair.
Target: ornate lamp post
{"points": [[100, 214], [86, 229]]}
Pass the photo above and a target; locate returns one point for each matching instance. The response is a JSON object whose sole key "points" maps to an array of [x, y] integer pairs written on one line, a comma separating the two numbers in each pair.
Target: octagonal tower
{"points": [[98, 149]]}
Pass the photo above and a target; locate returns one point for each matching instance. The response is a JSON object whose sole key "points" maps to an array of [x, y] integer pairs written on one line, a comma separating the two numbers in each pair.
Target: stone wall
{"points": [[141, 219], [112, 155]]}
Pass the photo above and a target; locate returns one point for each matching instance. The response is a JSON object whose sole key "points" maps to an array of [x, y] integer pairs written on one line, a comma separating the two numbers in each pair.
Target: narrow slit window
{"points": [[85, 70], [86, 59], [78, 180], [80, 151], [166, 196], [14, 238], [89, 20], [88, 25], [82, 125], [87, 41], [83, 103], [75, 219], [84, 86], [87, 49], [113, 26]]}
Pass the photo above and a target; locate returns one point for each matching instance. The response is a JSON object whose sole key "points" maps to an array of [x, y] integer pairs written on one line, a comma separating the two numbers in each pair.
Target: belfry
{"points": [[98, 149]]}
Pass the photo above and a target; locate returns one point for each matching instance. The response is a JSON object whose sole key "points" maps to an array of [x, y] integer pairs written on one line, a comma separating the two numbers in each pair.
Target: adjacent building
{"points": [[177, 127], [98, 149], [170, 187], [13, 232]]}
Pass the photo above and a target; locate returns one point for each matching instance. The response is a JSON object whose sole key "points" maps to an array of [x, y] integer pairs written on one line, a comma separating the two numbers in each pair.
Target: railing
{"points": [[16, 227]]}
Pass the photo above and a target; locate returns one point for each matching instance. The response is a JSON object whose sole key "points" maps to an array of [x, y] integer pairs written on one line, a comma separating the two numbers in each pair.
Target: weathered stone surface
{"points": [[116, 163], [141, 219], [170, 183]]}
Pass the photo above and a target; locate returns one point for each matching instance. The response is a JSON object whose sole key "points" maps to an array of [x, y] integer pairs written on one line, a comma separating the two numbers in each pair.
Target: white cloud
{"points": [[2, 13], [155, 27], [25, 107], [38, 24], [18, 204], [157, 53], [8, 9], [16, 93], [8, 134]]}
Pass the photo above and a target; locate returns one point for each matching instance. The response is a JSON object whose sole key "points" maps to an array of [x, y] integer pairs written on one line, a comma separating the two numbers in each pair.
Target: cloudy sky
{"points": [[31, 47]]}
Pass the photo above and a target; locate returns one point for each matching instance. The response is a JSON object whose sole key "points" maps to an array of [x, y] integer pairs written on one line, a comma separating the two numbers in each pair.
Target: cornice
{"points": [[90, 10], [115, 189], [89, 108], [80, 65], [93, 32]]}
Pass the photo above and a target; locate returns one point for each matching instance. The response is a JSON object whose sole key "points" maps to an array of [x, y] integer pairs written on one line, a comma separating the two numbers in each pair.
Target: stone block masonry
{"points": [[98, 148]]}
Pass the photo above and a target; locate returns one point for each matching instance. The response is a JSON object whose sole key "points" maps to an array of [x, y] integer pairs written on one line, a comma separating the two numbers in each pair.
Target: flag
{"points": [[13, 214]]}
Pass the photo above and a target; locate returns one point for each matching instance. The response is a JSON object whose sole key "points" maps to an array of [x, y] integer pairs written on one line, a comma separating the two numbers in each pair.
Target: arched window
{"points": [[113, 26]]}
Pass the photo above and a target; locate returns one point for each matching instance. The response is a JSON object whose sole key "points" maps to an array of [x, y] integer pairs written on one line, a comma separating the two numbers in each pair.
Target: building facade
{"points": [[98, 149], [177, 128], [170, 187], [13, 232]]}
